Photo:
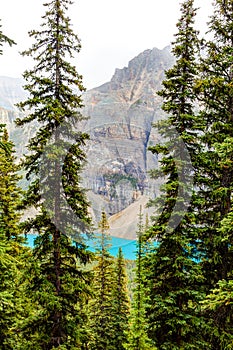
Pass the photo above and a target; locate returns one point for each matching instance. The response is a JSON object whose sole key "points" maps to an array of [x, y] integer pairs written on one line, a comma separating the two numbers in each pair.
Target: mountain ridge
{"points": [[122, 112], [120, 117]]}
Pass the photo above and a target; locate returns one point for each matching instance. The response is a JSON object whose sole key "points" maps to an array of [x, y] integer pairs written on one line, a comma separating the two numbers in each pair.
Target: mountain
{"points": [[121, 113]]}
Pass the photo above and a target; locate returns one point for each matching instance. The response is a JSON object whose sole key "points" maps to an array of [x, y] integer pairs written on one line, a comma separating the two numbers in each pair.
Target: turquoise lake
{"points": [[128, 246]]}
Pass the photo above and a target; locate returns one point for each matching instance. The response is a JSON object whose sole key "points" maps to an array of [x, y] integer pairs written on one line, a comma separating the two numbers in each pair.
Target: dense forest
{"points": [[59, 294]]}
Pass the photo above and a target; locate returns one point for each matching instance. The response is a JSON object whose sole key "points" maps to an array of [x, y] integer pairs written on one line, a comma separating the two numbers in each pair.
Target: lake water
{"points": [[128, 246]]}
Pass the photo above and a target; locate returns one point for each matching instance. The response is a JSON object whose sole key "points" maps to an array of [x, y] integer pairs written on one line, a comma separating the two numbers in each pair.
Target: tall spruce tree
{"points": [[58, 283], [8, 299], [215, 161], [109, 309], [10, 193], [102, 307], [214, 181], [11, 251], [218, 305], [137, 333], [173, 276], [121, 303]]}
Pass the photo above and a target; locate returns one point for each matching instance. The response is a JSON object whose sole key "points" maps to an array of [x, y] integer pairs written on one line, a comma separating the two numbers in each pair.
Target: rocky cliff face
{"points": [[121, 113]]}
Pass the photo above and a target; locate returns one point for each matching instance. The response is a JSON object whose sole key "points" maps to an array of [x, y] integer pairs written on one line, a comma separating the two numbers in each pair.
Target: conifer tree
{"points": [[137, 334], [8, 280], [101, 307], [218, 304], [58, 283], [215, 161], [214, 181], [120, 303], [173, 276], [10, 265], [10, 193], [11, 250]]}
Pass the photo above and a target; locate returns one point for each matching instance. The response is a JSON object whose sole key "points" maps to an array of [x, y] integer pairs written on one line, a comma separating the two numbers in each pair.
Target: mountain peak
{"points": [[147, 61], [146, 66], [121, 114]]}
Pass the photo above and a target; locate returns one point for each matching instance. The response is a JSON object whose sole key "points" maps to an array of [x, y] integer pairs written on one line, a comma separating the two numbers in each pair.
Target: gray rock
{"points": [[121, 113], [120, 117]]}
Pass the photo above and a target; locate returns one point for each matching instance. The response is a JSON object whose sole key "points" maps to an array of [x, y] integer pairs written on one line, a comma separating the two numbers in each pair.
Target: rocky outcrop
{"points": [[120, 117], [121, 113]]}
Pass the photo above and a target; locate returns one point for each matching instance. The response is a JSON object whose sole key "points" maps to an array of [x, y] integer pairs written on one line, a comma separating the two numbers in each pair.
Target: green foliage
{"points": [[181, 276], [10, 193], [215, 174], [8, 278], [109, 308], [116, 178], [58, 283], [43, 299], [4, 40], [219, 306], [11, 251], [130, 272], [101, 306], [215, 161], [137, 333], [120, 303], [174, 278], [183, 288]]}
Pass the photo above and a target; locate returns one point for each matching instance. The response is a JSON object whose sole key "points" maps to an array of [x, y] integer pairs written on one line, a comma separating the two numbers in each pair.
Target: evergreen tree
{"points": [[137, 334], [102, 307], [8, 278], [10, 193], [121, 303], [215, 161], [12, 252], [58, 284], [10, 266], [173, 276], [214, 181], [218, 304]]}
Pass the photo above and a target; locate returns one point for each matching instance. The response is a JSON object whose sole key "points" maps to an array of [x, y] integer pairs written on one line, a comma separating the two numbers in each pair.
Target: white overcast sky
{"points": [[111, 32]]}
